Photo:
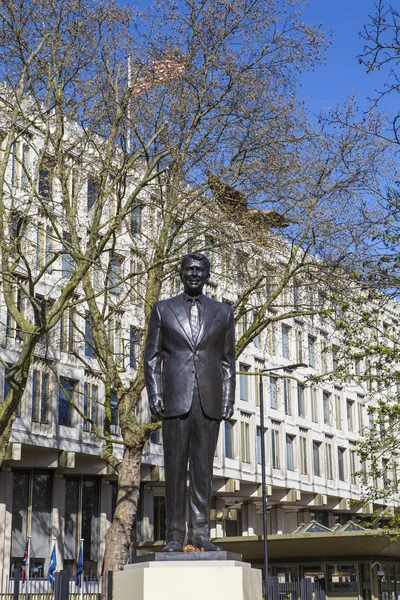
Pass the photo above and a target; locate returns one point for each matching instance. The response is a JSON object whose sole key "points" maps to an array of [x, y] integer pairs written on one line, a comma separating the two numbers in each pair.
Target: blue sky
{"points": [[341, 75]]}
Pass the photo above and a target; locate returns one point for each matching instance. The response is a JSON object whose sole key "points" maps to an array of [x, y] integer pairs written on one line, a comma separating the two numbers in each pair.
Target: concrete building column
{"points": [[105, 520], [218, 529], [58, 519], [147, 522], [6, 498], [250, 510], [277, 520]]}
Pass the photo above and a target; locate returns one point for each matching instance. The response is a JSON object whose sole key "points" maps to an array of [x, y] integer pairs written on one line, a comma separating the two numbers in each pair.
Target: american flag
{"points": [[162, 71], [25, 563]]}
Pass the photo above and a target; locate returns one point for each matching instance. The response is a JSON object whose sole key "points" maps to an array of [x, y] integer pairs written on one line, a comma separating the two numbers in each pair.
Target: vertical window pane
{"points": [[90, 524], [19, 513], [228, 439], [71, 517], [64, 407], [41, 515]]}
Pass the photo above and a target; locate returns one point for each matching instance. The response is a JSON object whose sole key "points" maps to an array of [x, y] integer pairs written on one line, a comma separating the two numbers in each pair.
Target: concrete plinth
{"points": [[194, 579]]}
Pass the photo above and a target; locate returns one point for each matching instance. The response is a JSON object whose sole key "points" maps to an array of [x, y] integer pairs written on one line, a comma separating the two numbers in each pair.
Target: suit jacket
{"points": [[173, 362]]}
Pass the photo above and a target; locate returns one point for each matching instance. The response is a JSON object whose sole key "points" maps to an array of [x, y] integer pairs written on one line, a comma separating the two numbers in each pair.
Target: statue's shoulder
{"points": [[161, 304], [226, 308]]}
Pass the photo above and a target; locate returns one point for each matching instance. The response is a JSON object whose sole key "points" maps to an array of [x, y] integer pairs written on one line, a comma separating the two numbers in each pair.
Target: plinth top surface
{"points": [[186, 556]]}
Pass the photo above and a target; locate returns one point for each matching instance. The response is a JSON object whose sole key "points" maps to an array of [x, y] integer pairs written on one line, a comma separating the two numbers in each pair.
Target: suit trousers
{"points": [[191, 437]]}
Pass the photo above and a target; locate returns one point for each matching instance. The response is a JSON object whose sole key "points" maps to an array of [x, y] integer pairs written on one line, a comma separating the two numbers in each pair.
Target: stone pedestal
{"points": [[198, 576]]}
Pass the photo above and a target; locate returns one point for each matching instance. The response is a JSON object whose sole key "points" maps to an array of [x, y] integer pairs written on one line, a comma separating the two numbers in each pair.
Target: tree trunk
{"points": [[119, 535]]}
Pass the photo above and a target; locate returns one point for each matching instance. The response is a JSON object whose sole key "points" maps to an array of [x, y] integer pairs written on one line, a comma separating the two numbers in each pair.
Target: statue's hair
{"points": [[198, 257]]}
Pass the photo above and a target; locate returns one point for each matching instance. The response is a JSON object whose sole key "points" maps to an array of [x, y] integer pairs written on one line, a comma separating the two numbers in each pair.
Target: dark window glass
{"points": [[71, 516], [65, 392], [92, 192]]}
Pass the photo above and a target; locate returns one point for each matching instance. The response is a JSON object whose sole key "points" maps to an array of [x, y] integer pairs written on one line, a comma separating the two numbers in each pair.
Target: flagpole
{"points": [[83, 574], [28, 560], [128, 141]]}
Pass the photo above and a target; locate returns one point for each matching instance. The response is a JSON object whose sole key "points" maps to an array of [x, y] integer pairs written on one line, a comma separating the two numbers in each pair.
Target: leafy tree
{"points": [[112, 169]]}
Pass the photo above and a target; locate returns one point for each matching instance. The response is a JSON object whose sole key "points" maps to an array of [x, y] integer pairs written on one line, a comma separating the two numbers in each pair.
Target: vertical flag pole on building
{"points": [[128, 141], [25, 565], [52, 565], [79, 570]]}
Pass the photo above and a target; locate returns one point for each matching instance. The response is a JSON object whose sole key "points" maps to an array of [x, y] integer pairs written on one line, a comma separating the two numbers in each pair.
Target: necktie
{"points": [[195, 317]]}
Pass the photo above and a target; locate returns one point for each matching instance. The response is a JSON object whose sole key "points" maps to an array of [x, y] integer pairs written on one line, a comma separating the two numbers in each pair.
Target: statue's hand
{"points": [[227, 410], [156, 406]]}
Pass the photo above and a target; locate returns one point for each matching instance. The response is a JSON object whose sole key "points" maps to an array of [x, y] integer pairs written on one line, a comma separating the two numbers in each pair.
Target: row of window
{"points": [[294, 398], [300, 453], [31, 516], [69, 393]]}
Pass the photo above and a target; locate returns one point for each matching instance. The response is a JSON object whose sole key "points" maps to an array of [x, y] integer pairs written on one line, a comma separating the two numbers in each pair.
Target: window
{"points": [[245, 438], [65, 394], [259, 447], [229, 450], [271, 337], [299, 346], [89, 339], [338, 408], [273, 399], [326, 402], [45, 180], [385, 469], [31, 515], [25, 167], [350, 415], [90, 399], [156, 437], [290, 440], [67, 266], [353, 468], [67, 330], [360, 406], [82, 520], [136, 221], [328, 460], [133, 347], [311, 351], [300, 400], [287, 401], [243, 382], [114, 425], [285, 341], [314, 405], [324, 356], [258, 381], [114, 280], [342, 578], [275, 449], [316, 458], [341, 463], [92, 192], [40, 397], [303, 454], [257, 338], [7, 386]]}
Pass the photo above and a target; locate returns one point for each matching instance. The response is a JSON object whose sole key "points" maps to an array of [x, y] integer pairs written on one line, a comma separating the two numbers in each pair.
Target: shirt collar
{"points": [[200, 298]]}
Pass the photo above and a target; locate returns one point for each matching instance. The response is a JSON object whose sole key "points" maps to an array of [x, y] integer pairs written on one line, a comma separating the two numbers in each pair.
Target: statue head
{"points": [[195, 272]]}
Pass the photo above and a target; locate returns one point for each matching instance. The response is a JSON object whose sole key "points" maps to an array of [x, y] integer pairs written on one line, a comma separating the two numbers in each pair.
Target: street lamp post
{"points": [[263, 470]]}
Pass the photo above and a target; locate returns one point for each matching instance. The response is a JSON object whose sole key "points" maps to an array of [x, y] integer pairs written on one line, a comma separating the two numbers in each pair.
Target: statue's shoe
{"points": [[208, 546], [173, 546]]}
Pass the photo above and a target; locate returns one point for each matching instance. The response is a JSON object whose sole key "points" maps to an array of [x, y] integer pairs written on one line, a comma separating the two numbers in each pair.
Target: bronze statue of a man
{"points": [[190, 380]]}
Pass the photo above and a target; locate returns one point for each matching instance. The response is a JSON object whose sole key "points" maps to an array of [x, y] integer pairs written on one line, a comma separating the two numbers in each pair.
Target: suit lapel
{"points": [[180, 313], [210, 312]]}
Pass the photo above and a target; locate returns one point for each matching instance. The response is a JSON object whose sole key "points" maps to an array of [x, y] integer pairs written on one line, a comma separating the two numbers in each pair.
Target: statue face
{"points": [[194, 275]]}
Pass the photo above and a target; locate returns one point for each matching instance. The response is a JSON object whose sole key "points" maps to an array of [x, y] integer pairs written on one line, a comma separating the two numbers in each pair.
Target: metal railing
{"points": [[299, 589], [35, 588]]}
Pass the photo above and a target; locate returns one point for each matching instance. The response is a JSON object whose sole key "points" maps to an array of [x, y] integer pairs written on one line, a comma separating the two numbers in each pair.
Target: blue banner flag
{"points": [[52, 567], [79, 568]]}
